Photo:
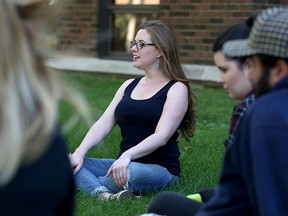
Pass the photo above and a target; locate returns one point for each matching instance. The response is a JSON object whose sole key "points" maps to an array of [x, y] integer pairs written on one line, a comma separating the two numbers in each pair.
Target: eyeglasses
{"points": [[139, 44]]}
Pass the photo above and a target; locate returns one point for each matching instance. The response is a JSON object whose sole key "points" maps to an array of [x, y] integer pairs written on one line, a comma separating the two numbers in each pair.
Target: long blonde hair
{"points": [[29, 93]]}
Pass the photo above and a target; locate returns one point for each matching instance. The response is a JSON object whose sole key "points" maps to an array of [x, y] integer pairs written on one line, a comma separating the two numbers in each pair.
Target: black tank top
{"points": [[138, 119]]}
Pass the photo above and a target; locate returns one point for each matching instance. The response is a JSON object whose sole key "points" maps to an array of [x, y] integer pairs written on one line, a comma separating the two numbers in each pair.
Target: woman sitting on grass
{"points": [[149, 111]]}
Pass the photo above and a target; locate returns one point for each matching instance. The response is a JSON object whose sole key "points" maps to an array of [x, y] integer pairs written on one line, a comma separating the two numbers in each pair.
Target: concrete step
{"points": [[202, 73]]}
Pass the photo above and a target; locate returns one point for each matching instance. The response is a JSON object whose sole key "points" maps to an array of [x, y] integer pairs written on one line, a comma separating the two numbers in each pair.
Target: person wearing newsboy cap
{"points": [[254, 178]]}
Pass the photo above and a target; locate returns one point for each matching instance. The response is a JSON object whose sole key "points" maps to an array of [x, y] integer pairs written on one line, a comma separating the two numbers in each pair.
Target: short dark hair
{"points": [[234, 32]]}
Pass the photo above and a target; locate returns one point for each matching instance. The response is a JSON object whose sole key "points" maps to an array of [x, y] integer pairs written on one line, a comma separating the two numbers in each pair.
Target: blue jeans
{"points": [[144, 178]]}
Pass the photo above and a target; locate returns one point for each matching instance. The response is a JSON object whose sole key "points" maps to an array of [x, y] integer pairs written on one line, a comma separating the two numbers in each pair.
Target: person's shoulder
{"points": [[273, 100], [126, 83], [179, 86], [129, 81], [270, 108], [178, 89]]}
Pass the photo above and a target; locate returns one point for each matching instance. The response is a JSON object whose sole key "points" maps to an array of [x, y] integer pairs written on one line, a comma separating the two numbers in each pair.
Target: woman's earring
{"points": [[158, 65]]}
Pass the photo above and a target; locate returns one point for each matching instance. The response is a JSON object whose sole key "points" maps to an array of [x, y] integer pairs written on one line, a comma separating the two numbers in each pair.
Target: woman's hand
{"points": [[76, 162], [120, 171]]}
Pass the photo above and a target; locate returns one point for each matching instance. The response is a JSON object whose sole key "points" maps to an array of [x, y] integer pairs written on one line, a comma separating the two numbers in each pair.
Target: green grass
{"points": [[201, 158]]}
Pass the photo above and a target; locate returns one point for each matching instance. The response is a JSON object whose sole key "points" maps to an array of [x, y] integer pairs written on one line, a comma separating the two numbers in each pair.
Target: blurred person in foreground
{"points": [[233, 77], [35, 174]]}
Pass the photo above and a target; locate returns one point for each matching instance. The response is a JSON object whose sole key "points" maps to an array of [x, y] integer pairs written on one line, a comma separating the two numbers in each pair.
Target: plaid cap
{"points": [[269, 35]]}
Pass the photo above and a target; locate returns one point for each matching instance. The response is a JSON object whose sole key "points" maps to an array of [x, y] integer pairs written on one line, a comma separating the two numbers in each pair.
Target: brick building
{"points": [[100, 28]]}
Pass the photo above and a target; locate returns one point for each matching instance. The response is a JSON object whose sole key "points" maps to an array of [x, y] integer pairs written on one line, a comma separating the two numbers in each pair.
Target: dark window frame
{"points": [[107, 9]]}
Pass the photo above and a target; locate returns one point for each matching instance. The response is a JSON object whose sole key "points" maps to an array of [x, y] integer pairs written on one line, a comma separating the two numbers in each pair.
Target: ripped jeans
{"points": [[144, 178]]}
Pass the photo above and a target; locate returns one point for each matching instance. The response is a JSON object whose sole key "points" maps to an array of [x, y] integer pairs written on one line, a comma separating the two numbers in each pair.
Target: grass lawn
{"points": [[201, 158]]}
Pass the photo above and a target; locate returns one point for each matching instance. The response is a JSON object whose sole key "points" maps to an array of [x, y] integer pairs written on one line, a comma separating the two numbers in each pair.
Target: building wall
{"points": [[196, 23], [78, 29]]}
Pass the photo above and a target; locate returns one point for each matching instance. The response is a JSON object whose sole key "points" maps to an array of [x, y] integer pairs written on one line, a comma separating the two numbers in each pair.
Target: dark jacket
{"points": [[254, 178]]}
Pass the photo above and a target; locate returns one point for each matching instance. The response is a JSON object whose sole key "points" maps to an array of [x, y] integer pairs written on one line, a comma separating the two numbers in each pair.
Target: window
{"points": [[118, 24]]}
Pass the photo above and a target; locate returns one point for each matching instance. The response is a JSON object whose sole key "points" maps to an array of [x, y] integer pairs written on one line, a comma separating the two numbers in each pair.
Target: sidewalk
{"points": [[201, 73]]}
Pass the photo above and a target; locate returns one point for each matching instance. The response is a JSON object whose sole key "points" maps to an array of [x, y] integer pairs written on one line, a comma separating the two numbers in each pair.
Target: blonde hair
{"points": [[29, 93]]}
